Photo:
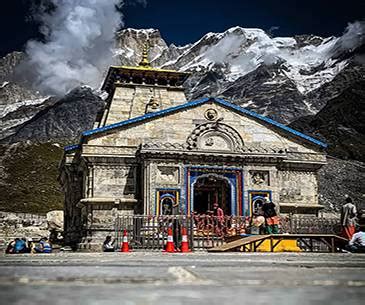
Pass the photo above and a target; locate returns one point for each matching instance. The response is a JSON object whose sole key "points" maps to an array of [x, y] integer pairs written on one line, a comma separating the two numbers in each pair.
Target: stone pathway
{"points": [[196, 278]]}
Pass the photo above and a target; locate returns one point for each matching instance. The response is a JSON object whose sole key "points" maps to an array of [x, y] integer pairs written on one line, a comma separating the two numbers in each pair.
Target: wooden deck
{"points": [[251, 243]]}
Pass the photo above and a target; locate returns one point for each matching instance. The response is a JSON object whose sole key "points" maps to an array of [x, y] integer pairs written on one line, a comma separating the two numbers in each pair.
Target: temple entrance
{"points": [[210, 189]]}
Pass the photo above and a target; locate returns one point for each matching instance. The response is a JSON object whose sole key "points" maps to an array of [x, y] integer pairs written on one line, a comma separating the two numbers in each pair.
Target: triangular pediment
{"points": [[233, 115]]}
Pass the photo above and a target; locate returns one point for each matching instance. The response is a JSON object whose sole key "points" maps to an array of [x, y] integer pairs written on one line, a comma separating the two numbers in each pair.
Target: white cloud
{"points": [[78, 47]]}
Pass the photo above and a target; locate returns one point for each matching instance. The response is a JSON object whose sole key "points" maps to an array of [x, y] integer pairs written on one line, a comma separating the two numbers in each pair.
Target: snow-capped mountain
{"points": [[284, 78], [241, 51]]}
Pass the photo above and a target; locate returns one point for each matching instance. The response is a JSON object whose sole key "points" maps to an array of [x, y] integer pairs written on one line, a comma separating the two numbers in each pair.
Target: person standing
{"points": [[348, 218], [271, 217], [218, 211]]}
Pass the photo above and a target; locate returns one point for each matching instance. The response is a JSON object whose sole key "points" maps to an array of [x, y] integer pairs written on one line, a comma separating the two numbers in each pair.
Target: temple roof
{"points": [[194, 103], [128, 74]]}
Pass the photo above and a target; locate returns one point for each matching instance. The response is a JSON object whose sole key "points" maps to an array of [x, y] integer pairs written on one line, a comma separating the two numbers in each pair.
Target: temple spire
{"points": [[145, 62]]}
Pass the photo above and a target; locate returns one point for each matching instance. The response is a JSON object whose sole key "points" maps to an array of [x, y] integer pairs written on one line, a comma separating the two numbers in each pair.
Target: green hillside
{"points": [[28, 180]]}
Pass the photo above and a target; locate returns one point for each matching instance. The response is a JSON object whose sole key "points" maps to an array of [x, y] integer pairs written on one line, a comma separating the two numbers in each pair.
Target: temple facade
{"points": [[152, 152]]}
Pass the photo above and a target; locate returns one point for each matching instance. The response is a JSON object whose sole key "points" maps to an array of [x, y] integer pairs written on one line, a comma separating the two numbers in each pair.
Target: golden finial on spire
{"points": [[145, 62]]}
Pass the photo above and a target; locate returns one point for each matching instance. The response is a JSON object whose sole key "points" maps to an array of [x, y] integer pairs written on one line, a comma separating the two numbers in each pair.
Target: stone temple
{"points": [[152, 152]]}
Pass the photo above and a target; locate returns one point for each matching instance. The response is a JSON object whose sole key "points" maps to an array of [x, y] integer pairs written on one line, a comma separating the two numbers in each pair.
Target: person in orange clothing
{"points": [[348, 218]]}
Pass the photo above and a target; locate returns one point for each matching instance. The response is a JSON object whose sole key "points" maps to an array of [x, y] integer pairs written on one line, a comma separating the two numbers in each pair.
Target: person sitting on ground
{"points": [[30, 246], [108, 245], [27, 249], [44, 246], [271, 217], [10, 248], [357, 242], [20, 246]]}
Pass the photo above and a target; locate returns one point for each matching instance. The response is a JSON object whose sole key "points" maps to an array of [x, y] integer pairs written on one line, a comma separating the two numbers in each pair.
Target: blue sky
{"points": [[185, 21]]}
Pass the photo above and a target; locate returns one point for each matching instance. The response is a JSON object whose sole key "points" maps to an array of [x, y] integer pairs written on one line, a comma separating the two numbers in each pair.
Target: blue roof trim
{"points": [[271, 122], [144, 117], [71, 147], [199, 102]]}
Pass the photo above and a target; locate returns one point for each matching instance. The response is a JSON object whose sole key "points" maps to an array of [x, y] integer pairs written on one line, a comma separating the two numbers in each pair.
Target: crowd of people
{"points": [[23, 245]]}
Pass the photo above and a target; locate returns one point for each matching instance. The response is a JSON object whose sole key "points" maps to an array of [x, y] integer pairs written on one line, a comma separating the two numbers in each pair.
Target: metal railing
{"points": [[204, 231], [296, 224], [150, 232]]}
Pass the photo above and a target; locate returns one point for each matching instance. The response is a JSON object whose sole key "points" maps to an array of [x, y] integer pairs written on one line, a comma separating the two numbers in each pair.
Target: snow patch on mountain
{"points": [[4, 84], [126, 52], [241, 51], [8, 108], [307, 83]]}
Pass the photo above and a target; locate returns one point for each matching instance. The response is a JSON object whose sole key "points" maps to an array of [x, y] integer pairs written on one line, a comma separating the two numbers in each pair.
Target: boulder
{"points": [[55, 220]]}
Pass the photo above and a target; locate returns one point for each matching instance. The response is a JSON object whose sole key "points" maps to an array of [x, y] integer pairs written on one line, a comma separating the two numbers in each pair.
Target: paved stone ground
{"points": [[196, 278]]}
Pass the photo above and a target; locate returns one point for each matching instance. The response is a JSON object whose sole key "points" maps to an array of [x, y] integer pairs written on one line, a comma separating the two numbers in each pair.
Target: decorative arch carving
{"points": [[215, 136], [213, 175]]}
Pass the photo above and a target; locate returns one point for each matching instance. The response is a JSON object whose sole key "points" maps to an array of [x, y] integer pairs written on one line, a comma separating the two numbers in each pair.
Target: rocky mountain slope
{"points": [[341, 123], [340, 178], [62, 120], [18, 102], [314, 83]]}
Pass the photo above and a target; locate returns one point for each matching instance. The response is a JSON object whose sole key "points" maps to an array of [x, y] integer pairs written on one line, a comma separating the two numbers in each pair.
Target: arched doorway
{"points": [[209, 189], [168, 202], [166, 205], [256, 200]]}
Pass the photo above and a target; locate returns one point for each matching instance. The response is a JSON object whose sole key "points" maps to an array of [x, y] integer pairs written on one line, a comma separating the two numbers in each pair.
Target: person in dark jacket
{"points": [[108, 244], [271, 217]]}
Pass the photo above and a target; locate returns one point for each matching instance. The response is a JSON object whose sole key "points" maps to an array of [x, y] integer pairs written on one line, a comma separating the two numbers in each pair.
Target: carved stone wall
{"points": [[298, 187], [161, 175], [167, 175], [260, 178], [131, 101], [215, 136], [116, 181]]}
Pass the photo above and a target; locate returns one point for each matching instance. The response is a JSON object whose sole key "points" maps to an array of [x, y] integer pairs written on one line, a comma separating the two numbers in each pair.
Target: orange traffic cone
{"points": [[125, 245], [170, 247], [184, 241]]}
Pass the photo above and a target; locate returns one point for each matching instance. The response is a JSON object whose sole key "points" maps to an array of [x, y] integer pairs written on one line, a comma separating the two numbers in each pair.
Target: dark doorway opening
{"points": [[211, 189]]}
